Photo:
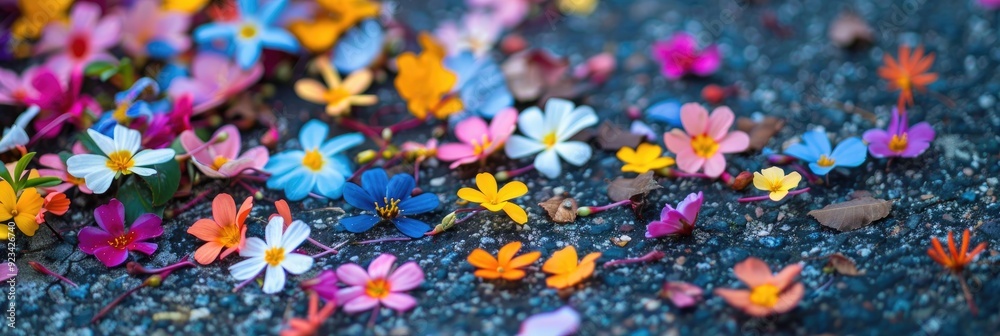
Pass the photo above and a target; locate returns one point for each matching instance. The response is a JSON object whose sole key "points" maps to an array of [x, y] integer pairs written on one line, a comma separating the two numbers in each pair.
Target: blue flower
{"points": [[251, 32], [128, 107], [388, 200], [319, 167], [481, 84], [359, 47], [815, 149], [667, 111]]}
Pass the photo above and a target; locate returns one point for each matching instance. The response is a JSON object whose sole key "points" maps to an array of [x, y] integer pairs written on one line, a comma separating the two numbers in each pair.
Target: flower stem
{"points": [[354, 125], [382, 240], [116, 301], [55, 123], [256, 192], [508, 174], [590, 210], [189, 204], [780, 159], [245, 283], [214, 140], [968, 294], [44, 270], [371, 320], [405, 125], [767, 197], [473, 212], [649, 257], [326, 249], [135, 268], [812, 178], [416, 172]]}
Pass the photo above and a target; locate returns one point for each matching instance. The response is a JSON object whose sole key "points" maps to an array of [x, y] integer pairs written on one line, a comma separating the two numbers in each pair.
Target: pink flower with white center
{"points": [[85, 39], [148, 30], [18, 90], [477, 34], [380, 285], [680, 56], [214, 79], [704, 139], [220, 158], [479, 142]]}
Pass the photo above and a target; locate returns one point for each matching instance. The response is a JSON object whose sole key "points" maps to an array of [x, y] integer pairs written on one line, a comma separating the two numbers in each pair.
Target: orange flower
{"points": [[565, 270], [426, 84], [954, 260], [226, 229], [908, 73], [283, 211], [768, 294], [310, 325], [55, 203], [505, 265]]}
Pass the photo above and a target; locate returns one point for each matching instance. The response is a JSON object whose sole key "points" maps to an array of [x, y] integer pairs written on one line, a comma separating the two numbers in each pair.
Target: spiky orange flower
{"points": [[909, 73], [954, 260]]}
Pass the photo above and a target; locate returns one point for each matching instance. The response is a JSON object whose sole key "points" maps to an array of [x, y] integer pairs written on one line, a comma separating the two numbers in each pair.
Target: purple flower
{"points": [[111, 242], [682, 294], [899, 139], [324, 284], [680, 56], [560, 322], [678, 221]]}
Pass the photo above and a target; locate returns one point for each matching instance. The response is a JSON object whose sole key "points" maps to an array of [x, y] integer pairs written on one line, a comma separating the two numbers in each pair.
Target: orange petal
{"points": [[787, 276], [789, 299], [241, 216], [206, 253], [224, 209], [487, 274], [284, 211], [524, 260], [558, 281], [965, 242], [482, 259], [513, 274], [56, 203], [561, 262], [206, 229], [507, 253], [951, 246], [753, 272], [737, 298]]}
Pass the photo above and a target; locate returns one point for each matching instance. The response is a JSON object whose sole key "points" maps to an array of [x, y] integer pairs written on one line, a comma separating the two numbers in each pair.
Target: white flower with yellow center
{"points": [[275, 255], [549, 134], [119, 155]]}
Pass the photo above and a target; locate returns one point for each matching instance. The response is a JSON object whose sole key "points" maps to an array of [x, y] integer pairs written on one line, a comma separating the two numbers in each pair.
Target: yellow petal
{"points": [[471, 195], [761, 182], [778, 195], [330, 76], [626, 154], [363, 100], [634, 168], [318, 36], [661, 162], [311, 90], [512, 190], [494, 206], [648, 151], [186, 6], [487, 185], [773, 175], [515, 212], [791, 181], [448, 107], [358, 81]]}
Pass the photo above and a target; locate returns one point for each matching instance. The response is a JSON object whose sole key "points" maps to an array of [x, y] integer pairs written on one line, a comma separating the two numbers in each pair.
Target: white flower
{"points": [[276, 255], [15, 135], [549, 135], [121, 156]]}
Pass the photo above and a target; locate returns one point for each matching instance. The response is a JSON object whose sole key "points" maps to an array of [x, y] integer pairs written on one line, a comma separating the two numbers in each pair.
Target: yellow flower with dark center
{"points": [[22, 209], [644, 158], [775, 181], [495, 200], [331, 19]]}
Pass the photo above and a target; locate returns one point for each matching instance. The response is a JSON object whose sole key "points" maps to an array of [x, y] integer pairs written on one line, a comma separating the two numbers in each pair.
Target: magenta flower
{"points": [[214, 79], [111, 242], [56, 98], [55, 167], [479, 142], [682, 294], [85, 39], [148, 30], [705, 139], [17, 90], [678, 221], [899, 139], [221, 158], [560, 322], [680, 56], [324, 284], [508, 13], [990, 4], [381, 285]]}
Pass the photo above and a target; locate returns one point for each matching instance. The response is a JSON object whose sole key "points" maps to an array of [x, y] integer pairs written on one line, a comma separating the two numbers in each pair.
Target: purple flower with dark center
{"points": [[899, 140], [679, 221], [111, 242]]}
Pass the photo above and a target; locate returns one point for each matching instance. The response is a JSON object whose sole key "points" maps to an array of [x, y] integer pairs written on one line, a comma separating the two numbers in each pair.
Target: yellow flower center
{"points": [[549, 140], [313, 160], [336, 95], [765, 295], [480, 146], [230, 236], [274, 256], [121, 242], [121, 113], [500, 270], [704, 146], [13, 212], [377, 288], [390, 210], [825, 161], [219, 161], [898, 143], [904, 83], [248, 31], [121, 162]]}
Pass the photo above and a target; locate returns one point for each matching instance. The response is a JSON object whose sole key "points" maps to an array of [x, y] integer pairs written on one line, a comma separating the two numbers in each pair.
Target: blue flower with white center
{"points": [[251, 32], [388, 200], [815, 149], [319, 167]]}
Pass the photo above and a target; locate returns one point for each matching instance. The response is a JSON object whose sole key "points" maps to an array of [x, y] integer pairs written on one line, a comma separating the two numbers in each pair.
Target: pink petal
{"points": [[399, 302], [230, 148], [349, 293], [147, 226], [111, 256], [190, 141], [454, 151], [379, 268], [107, 33], [360, 304], [690, 206], [258, 155], [708, 62], [688, 161], [564, 321], [464, 161], [719, 122], [677, 141], [144, 247], [52, 161], [753, 272], [406, 277], [694, 117], [663, 228], [471, 130], [208, 171], [503, 126], [715, 165], [353, 275], [734, 142], [236, 167], [111, 217], [92, 238]]}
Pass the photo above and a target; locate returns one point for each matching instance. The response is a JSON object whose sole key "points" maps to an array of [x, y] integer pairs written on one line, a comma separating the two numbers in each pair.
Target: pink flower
{"points": [[324, 284], [705, 139], [221, 158], [57, 168], [990, 4], [17, 90], [682, 294], [769, 293], [560, 322], [85, 39], [680, 56], [420, 151], [214, 79], [56, 98], [678, 221], [508, 13], [597, 68], [149, 31], [899, 139], [477, 34], [111, 242], [381, 285], [479, 141]]}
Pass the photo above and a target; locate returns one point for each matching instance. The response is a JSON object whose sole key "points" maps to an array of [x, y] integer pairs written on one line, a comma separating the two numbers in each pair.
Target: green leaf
{"points": [[165, 182], [19, 171], [136, 198], [41, 182], [89, 143], [107, 74], [64, 156], [96, 68], [5, 174]]}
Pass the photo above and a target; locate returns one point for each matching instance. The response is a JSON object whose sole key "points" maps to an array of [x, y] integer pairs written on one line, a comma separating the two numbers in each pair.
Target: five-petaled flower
{"points": [[213, 80], [111, 242], [83, 39], [495, 200], [275, 255], [705, 139], [505, 265], [769, 293], [226, 230], [565, 269], [220, 156], [337, 95], [643, 158], [251, 31], [909, 73], [679, 221], [815, 149], [380, 285], [314, 320], [388, 200], [549, 134], [680, 56], [479, 141], [319, 167], [21, 208], [900, 139], [955, 260], [119, 156], [319, 31], [775, 182], [426, 84]]}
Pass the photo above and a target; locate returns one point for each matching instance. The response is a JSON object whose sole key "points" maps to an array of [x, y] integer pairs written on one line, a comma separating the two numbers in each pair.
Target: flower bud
{"points": [[365, 156], [584, 211], [742, 180]]}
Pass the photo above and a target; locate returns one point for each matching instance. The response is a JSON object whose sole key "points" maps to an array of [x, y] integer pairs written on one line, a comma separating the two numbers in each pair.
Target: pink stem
{"points": [[767, 197], [598, 209], [135, 268], [809, 176], [191, 203], [472, 214], [244, 283], [406, 125], [416, 172], [649, 257], [354, 125], [55, 123], [516, 172], [44, 270], [371, 320], [324, 247]]}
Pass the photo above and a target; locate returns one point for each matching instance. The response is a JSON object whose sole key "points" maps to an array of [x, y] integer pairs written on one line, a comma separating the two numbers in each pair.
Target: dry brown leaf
{"points": [[632, 188], [760, 132], [852, 214], [842, 265], [612, 137], [562, 209]]}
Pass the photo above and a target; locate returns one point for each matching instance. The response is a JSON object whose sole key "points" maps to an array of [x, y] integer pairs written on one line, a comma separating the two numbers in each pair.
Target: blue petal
{"points": [[276, 38], [247, 52], [341, 143], [158, 49], [271, 10], [411, 227], [341, 164], [419, 204], [359, 223], [169, 73], [206, 33], [358, 197], [248, 8], [850, 153], [802, 152], [464, 65], [281, 163], [668, 111], [359, 47], [312, 134], [818, 142], [139, 109], [106, 125], [485, 91], [301, 183], [330, 183], [818, 170], [375, 182], [400, 187]]}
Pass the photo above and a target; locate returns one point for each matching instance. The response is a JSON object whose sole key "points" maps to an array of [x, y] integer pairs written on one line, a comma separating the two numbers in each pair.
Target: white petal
{"points": [[83, 164], [556, 110], [518, 147], [99, 181], [106, 144], [274, 279], [582, 117], [272, 233], [548, 163], [141, 171], [297, 263], [296, 233], [255, 247], [127, 139], [532, 123], [149, 157], [574, 152], [248, 268]]}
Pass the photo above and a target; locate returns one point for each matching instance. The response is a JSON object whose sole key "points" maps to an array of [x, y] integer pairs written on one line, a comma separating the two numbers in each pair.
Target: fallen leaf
{"points": [[760, 132], [852, 214], [842, 265], [562, 209], [632, 188], [849, 30], [612, 137]]}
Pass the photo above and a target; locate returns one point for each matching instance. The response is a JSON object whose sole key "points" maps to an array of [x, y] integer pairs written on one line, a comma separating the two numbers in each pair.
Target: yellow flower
{"points": [[22, 209], [425, 84], [644, 158], [338, 96], [186, 6], [776, 182], [332, 18], [578, 7], [494, 200], [36, 14]]}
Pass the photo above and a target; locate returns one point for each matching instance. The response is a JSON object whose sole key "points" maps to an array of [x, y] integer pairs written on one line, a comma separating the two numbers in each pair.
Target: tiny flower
{"points": [[119, 156], [226, 229], [388, 200], [769, 293], [493, 200], [319, 31], [319, 167], [955, 259], [479, 141], [111, 242], [560, 322], [909, 73], [36, 15], [16, 135], [900, 139], [56, 203], [85, 38], [250, 31], [644, 158], [426, 85], [313, 321], [337, 95], [275, 255], [680, 56], [815, 150], [565, 270], [22, 209], [380, 285], [682, 294], [477, 34], [214, 79], [148, 30], [505, 265], [704, 139], [774, 181], [221, 157], [679, 221], [548, 135], [577, 7], [420, 151], [129, 106]]}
